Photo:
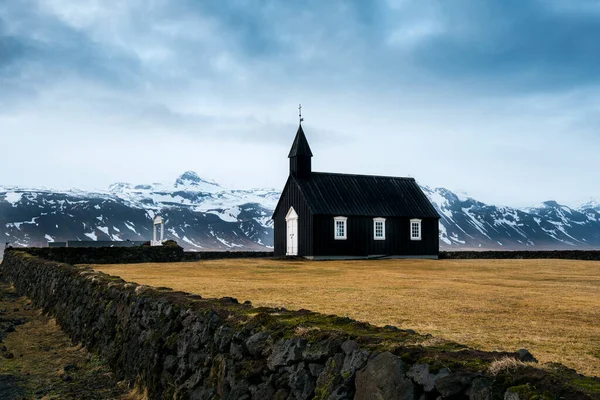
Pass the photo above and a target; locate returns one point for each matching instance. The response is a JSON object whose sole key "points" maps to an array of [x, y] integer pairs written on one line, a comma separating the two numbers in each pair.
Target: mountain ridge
{"points": [[202, 215]]}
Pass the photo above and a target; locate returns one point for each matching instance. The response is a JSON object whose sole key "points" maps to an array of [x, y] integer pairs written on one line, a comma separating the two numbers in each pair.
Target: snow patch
{"points": [[92, 236], [13, 198]]}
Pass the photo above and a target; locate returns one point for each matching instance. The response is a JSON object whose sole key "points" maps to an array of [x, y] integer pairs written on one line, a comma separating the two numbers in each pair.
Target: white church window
{"points": [[379, 228], [415, 229], [339, 226]]}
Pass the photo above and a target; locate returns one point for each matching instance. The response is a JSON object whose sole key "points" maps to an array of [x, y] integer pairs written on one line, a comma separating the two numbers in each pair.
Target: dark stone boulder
{"points": [[383, 378], [285, 352], [525, 356], [349, 346], [330, 383], [481, 389], [353, 362], [420, 374], [511, 395], [454, 384], [257, 343], [301, 383], [321, 350], [263, 391], [315, 369]]}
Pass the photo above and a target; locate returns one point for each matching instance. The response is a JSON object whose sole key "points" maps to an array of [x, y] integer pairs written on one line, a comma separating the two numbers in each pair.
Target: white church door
{"points": [[291, 220]]}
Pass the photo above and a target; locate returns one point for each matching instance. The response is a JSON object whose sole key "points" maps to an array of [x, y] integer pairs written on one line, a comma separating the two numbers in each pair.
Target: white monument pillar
{"points": [[159, 222]]}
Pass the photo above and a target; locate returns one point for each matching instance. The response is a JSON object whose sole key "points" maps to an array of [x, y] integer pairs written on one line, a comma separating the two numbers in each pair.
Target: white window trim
{"points": [[335, 221], [417, 221], [375, 221]]}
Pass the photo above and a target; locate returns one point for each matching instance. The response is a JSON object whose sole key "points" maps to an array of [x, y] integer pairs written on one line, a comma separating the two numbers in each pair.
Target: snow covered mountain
{"points": [[469, 224], [199, 214], [202, 215]]}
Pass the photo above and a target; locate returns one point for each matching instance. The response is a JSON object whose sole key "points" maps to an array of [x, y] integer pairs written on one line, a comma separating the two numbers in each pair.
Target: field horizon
{"points": [[550, 307]]}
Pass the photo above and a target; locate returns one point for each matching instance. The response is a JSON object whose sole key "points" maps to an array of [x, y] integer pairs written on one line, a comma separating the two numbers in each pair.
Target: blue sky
{"points": [[499, 99]]}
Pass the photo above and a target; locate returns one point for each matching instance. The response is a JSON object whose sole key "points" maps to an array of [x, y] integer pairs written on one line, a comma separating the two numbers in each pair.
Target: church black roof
{"points": [[300, 146], [365, 195]]}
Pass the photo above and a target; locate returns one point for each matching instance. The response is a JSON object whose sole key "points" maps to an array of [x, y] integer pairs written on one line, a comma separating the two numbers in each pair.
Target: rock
{"points": [[286, 352], [195, 358], [510, 395], [257, 343], [301, 384], [9, 355], [263, 391], [282, 380], [481, 389], [10, 328], [348, 346], [69, 367], [320, 351], [354, 361], [236, 350], [229, 300], [525, 356], [330, 379], [223, 338], [315, 369], [170, 363], [4, 348], [383, 378], [451, 385], [202, 393], [420, 374], [281, 394], [239, 390]]}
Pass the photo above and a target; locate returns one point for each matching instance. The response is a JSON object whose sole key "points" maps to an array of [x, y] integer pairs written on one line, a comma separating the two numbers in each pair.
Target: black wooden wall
{"points": [[360, 241], [292, 197], [316, 233]]}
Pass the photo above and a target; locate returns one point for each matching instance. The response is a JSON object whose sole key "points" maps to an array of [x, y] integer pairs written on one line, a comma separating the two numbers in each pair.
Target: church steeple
{"points": [[300, 156]]}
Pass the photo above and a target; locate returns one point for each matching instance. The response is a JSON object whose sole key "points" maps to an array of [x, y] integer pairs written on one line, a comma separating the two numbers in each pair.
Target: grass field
{"points": [[551, 307]]}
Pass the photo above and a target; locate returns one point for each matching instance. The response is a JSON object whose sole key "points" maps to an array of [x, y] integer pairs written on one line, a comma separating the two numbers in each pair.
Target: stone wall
{"points": [[109, 255], [170, 252], [181, 346], [216, 255], [591, 255]]}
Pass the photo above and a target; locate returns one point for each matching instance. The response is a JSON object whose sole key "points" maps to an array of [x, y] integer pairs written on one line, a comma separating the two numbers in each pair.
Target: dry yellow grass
{"points": [[551, 307]]}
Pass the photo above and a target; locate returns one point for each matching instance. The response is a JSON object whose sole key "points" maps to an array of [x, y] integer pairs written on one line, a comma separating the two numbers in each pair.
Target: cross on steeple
{"points": [[300, 113]]}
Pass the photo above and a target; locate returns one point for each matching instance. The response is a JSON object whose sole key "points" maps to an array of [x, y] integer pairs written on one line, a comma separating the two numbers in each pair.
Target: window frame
{"points": [[420, 228], [375, 222], [344, 220]]}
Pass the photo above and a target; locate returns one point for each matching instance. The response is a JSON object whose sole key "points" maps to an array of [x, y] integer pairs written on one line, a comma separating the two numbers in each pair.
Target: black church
{"points": [[326, 215]]}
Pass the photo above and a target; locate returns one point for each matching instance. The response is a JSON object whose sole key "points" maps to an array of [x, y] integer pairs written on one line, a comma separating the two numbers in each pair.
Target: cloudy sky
{"points": [[498, 98]]}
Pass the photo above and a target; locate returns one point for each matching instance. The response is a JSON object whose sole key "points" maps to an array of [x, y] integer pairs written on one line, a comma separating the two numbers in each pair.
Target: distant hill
{"points": [[202, 215]]}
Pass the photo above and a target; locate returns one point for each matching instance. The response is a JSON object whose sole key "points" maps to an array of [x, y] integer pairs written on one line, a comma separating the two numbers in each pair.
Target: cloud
{"points": [[527, 44], [467, 83]]}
